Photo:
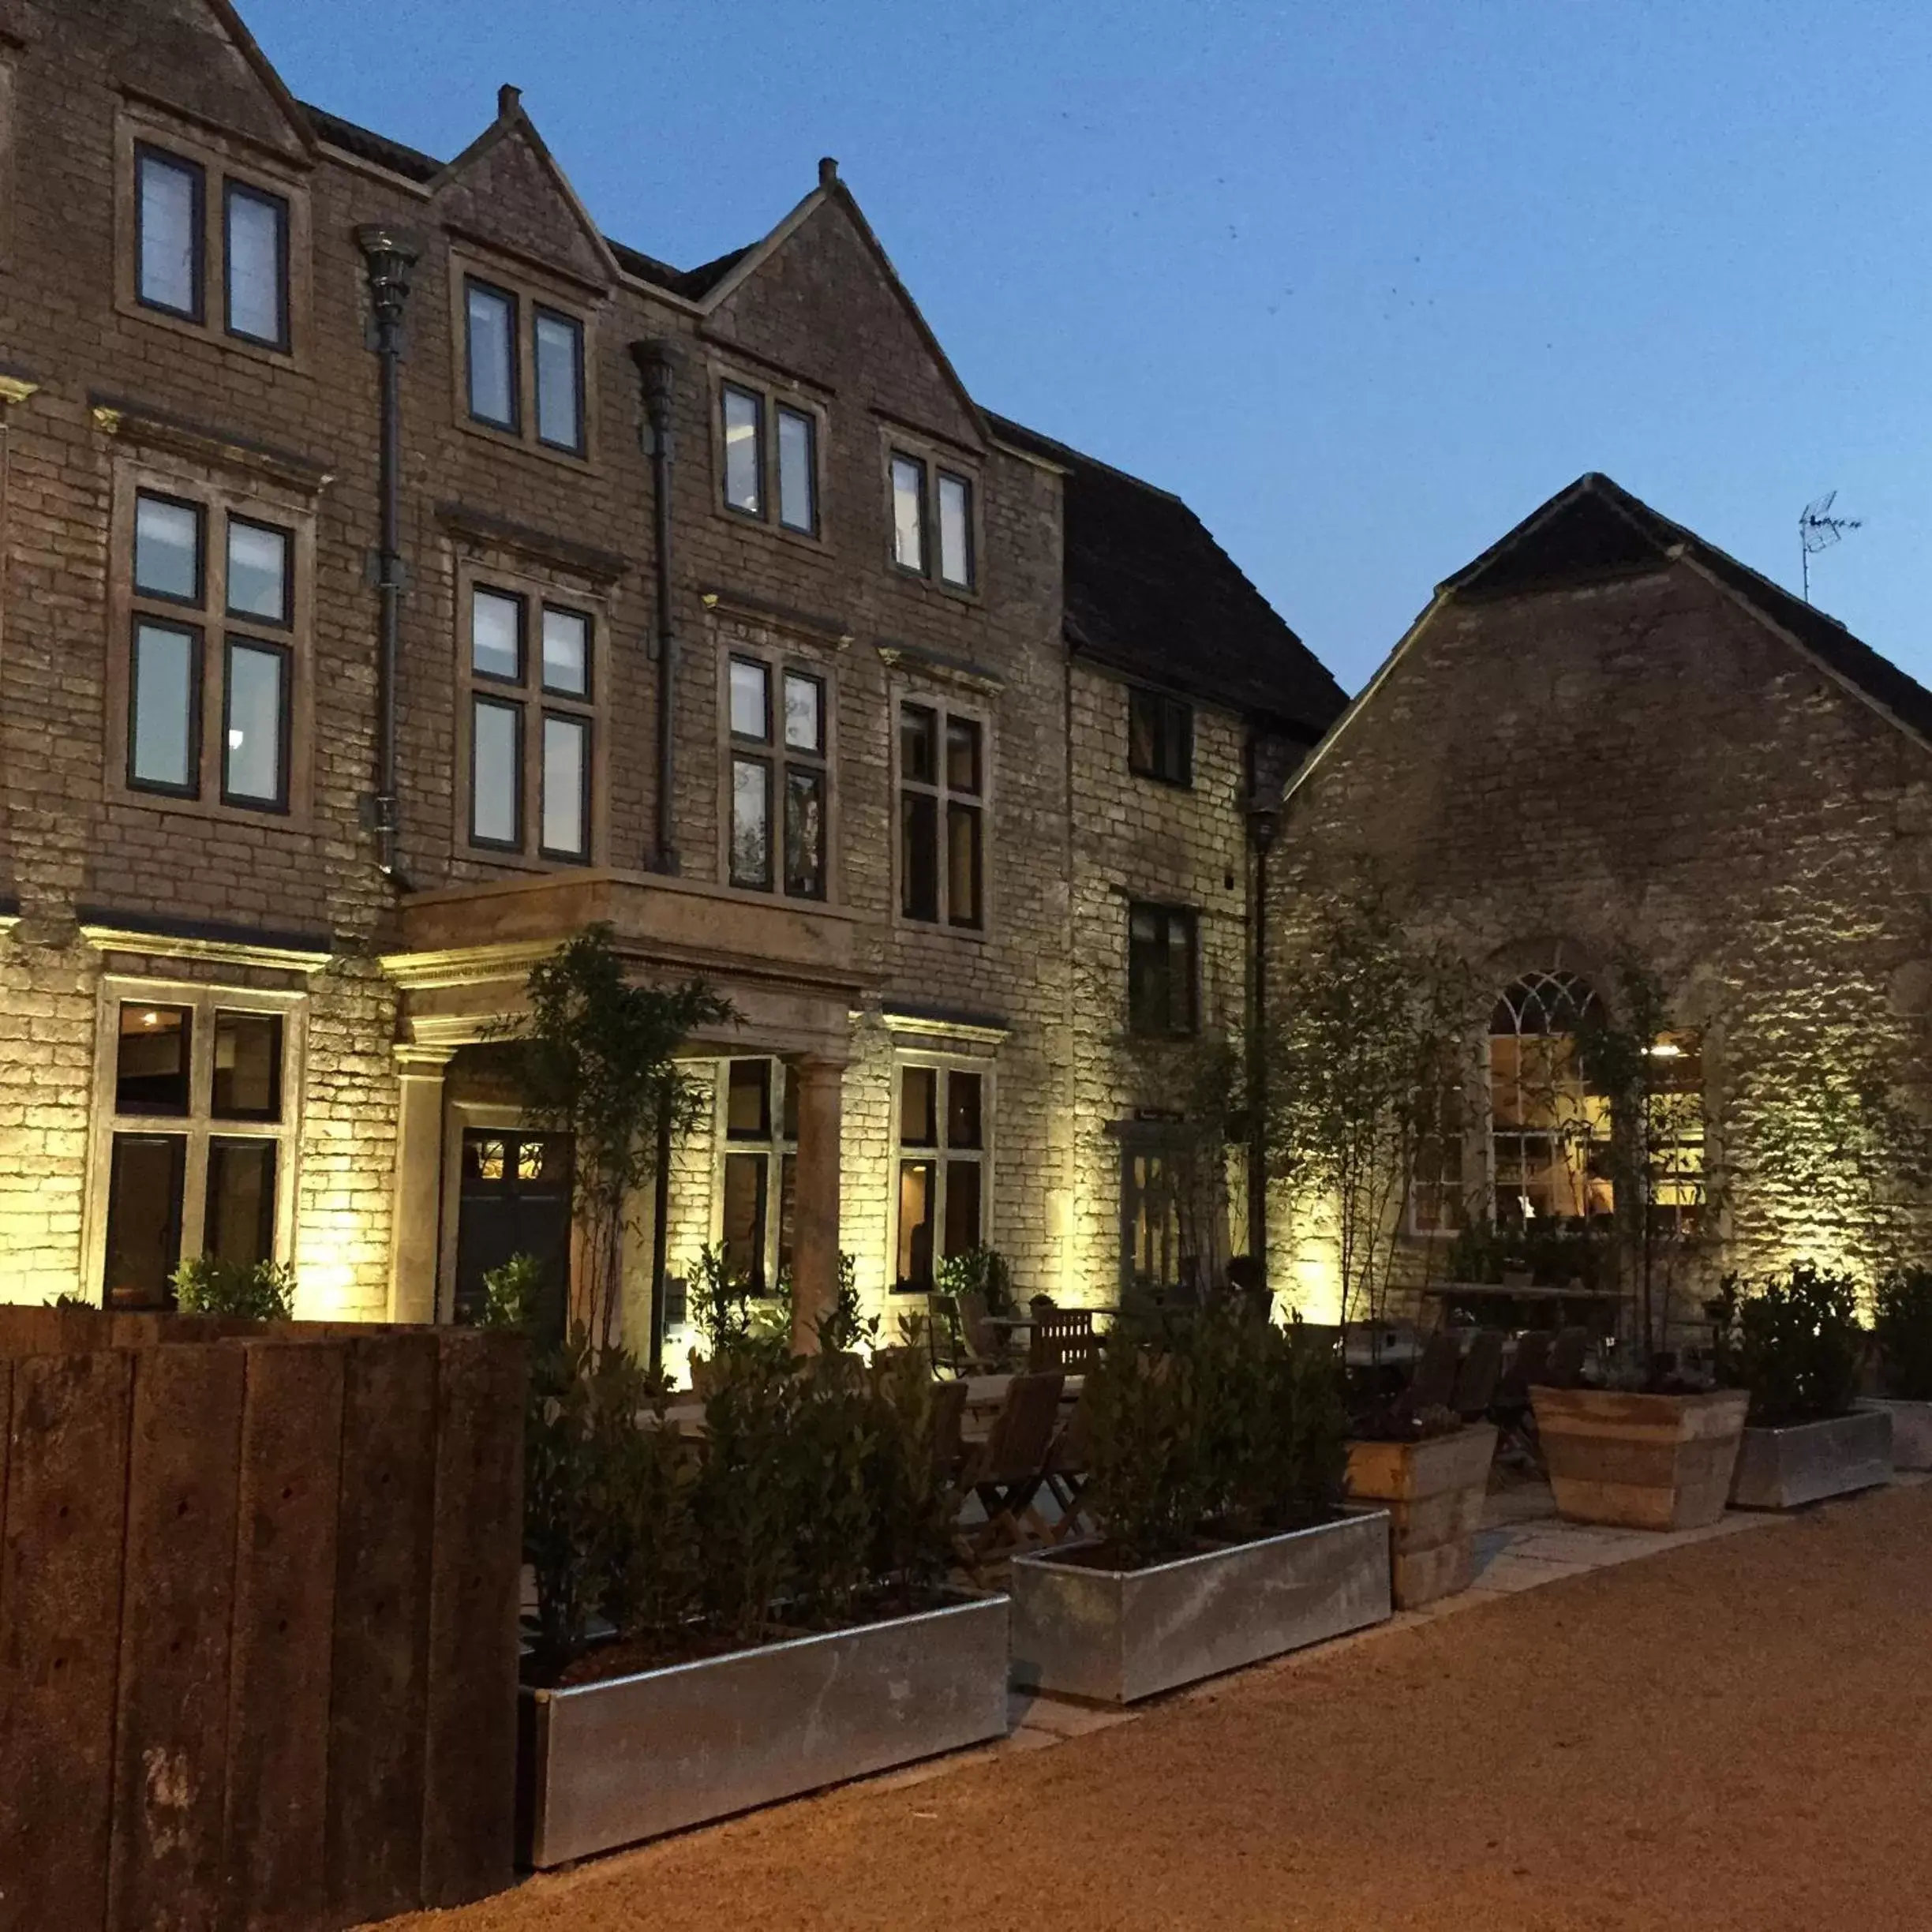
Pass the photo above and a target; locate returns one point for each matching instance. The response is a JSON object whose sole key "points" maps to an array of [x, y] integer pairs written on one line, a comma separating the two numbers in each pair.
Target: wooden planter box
{"points": [[1911, 1431], [1641, 1462], [1118, 1635], [1434, 1492], [1779, 1468], [604, 1765]]}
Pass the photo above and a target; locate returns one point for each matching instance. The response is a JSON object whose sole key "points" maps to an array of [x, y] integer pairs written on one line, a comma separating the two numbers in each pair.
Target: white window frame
{"points": [[985, 1153]]}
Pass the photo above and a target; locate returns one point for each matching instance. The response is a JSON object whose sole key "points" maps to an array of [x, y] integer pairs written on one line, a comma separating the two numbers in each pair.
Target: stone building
{"points": [[1605, 743], [706, 603]]}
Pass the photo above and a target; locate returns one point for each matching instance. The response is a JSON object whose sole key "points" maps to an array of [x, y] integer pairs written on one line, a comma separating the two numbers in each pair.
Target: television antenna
{"points": [[1818, 529]]}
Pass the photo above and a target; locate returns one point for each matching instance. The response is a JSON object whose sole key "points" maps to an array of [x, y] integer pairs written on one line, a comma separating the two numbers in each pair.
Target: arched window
{"points": [[1549, 1134]]}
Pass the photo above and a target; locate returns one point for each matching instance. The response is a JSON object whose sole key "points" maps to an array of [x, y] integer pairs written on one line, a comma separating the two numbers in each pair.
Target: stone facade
{"points": [[124, 901], [1605, 742]]}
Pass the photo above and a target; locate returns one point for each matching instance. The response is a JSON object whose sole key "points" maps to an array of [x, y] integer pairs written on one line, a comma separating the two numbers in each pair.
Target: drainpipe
{"points": [[388, 254], [657, 366], [1263, 821]]}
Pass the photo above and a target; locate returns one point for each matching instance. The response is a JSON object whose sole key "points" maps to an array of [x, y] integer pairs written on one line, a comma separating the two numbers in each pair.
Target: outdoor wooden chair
{"points": [[1433, 1385], [1509, 1408], [1564, 1369], [948, 1423], [952, 1352], [984, 1343], [1480, 1372], [1063, 1340], [1068, 1463], [1007, 1471]]}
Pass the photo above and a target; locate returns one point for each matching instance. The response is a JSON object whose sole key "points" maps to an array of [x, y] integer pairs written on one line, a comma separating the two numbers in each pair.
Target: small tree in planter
{"points": [[1796, 1344], [246, 1290], [1370, 1035], [1216, 1476], [596, 1060]]}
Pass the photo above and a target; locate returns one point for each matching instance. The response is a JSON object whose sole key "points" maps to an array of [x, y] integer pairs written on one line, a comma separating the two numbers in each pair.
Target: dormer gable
{"points": [[196, 58], [820, 278], [505, 188]]}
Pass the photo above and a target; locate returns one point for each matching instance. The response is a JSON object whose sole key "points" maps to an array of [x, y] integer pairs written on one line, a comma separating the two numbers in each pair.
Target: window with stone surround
{"points": [[524, 374], [757, 1184], [196, 1111], [943, 1116], [768, 461], [934, 518], [778, 738], [216, 648], [942, 800], [531, 696], [1160, 737], [1163, 971], [1549, 1132], [210, 241]]}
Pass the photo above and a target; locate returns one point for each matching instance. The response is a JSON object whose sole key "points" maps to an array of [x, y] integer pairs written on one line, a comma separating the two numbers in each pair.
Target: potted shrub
{"points": [[1216, 1475], [728, 1621], [1431, 1471], [1797, 1348], [1903, 1328]]}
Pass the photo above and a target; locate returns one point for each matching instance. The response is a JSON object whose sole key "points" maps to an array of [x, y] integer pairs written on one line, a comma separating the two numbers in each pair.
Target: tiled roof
{"points": [[1149, 592], [1597, 529]]}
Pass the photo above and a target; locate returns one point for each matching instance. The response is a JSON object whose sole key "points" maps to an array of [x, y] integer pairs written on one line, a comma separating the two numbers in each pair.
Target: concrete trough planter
{"points": [[1911, 1431], [1640, 1461], [1779, 1468], [1434, 1490], [604, 1765], [1120, 1635]]}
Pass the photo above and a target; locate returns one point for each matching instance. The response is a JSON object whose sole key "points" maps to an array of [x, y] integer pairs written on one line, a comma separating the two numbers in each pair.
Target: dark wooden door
{"points": [[515, 1199]]}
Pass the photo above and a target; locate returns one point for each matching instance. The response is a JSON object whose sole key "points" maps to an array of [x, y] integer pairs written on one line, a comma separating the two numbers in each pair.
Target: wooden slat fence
{"points": [[258, 1621]]}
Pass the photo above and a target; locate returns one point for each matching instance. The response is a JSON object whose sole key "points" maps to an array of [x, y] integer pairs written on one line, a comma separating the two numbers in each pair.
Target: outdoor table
{"points": [[1566, 1303]]}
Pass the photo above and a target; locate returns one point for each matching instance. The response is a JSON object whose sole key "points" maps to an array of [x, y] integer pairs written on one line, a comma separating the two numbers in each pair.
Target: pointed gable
{"points": [[197, 56], [1583, 532], [821, 278], [505, 187]]}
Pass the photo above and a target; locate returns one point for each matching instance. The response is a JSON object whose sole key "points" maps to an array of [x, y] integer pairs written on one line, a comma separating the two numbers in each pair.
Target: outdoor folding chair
{"points": [[984, 1343], [1009, 1469], [1433, 1385], [1509, 1408], [1067, 1464], [952, 1353], [1565, 1368], [1481, 1370], [1062, 1340]]}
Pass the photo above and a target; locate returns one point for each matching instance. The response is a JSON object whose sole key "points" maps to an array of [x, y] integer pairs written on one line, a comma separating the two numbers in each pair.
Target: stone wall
{"points": [[1644, 769]]}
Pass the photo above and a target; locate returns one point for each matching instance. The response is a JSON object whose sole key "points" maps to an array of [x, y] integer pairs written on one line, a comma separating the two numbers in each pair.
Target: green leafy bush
{"points": [[512, 1295], [841, 1328], [808, 1498], [1902, 1323], [250, 1291], [978, 1270], [1795, 1342], [1225, 1425]]}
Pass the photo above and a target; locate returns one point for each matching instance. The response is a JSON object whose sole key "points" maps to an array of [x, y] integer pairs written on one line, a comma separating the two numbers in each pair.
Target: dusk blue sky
{"points": [[1363, 282]]}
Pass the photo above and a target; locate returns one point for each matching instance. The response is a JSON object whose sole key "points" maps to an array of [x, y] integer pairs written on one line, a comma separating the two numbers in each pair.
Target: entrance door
{"points": [[1150, 1217], [515, 1199]]}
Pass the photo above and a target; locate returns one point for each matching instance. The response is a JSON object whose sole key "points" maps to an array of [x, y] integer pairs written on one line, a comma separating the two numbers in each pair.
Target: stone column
{"points": [[815, 1227], [416, 1205]]}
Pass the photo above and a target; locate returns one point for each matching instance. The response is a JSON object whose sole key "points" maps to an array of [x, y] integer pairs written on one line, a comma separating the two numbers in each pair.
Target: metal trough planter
{"points": [[1779, 1469], [1119, 1635], [1643, 1462], [1912, 1430], [604, 1764]]}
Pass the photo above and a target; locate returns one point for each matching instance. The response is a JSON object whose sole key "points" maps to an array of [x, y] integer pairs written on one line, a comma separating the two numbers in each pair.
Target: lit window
{"points": [[559, 381], [259, 581], [942, 1152], [491, 353], [941, 816], [1161, 971], [1160, 737], [254, 724], [174, 1114], [956, 532], [255, 256], [759, 1169], [169, 198], [744, 450], [1549, 1132], [798, 493], [777, 765], [908, 507]]}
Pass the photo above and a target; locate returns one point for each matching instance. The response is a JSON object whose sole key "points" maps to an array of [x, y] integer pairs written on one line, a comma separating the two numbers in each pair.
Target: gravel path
{"points": [[1736, 1737]]}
